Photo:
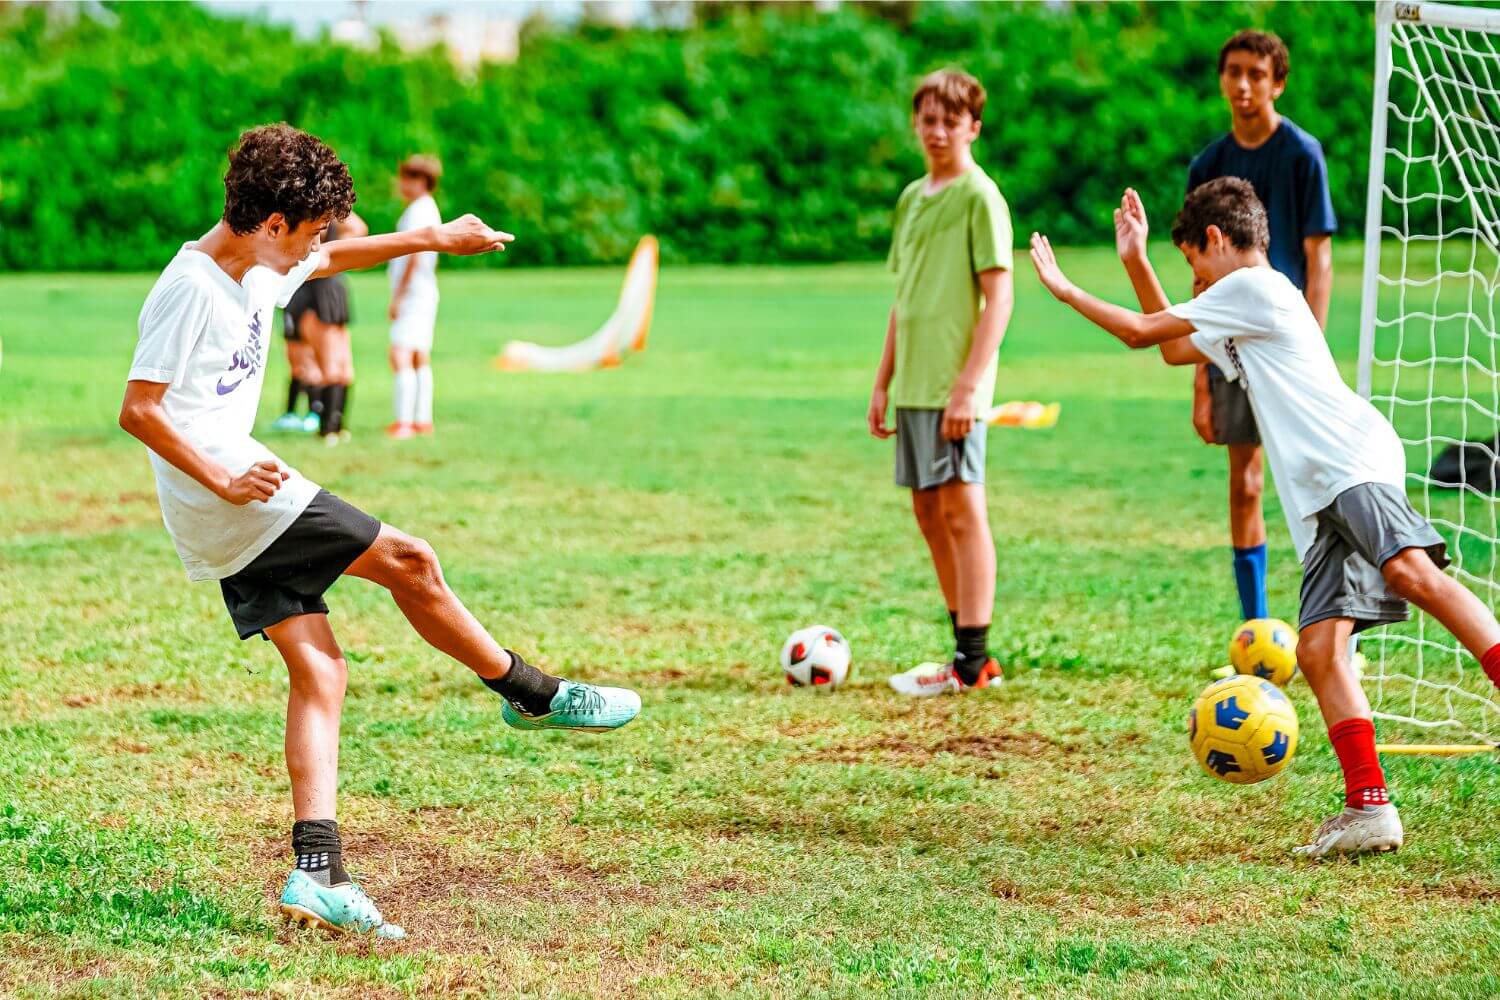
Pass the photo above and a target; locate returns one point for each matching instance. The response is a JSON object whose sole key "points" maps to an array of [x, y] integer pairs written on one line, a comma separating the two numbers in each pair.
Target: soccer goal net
{"points": [[1430, 333]]}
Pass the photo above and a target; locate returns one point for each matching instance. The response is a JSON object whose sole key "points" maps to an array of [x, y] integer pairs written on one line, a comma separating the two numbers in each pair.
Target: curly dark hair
{"points": [[1259, 43], [1229, 203], [277, 168]]}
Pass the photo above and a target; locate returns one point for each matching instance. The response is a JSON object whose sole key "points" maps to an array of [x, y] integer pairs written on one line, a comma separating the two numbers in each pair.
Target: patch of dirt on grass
{"points": [[1464, 890], [980, 746]]}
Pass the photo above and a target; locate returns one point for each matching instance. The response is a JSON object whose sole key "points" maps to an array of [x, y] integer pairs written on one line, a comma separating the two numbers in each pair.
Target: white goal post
{"points": [[1429, 348]]}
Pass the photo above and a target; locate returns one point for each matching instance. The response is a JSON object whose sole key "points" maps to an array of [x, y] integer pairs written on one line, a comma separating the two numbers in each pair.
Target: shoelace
{"points": [[582, 698]]}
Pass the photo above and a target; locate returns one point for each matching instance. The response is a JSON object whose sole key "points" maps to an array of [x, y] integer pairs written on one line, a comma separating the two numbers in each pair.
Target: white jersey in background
{"points": [[1321, 437], [423, 286], [206, 337]]}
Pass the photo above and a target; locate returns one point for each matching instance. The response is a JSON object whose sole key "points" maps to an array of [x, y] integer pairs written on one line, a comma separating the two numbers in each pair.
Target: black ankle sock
{"points": [[333, 408], [953, 619], [293, 393], [315, 402], [524, 686], [973, 650], [319, 851]]}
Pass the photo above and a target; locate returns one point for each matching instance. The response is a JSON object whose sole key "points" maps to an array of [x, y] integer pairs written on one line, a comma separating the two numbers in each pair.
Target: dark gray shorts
{"points": [[1358, 533], [924, 458], [1234, 421]]}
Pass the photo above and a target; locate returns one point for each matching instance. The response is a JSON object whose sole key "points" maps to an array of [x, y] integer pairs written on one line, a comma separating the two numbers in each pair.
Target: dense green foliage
{"points": [[766, 135]]}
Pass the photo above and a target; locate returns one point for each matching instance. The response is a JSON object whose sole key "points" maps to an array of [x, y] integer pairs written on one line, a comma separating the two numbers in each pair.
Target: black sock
{"points": [[315, 403], [344, 406], [953, 618], [524, 686], [293, 391], [319, 851], [333, 408], [973, 650]]}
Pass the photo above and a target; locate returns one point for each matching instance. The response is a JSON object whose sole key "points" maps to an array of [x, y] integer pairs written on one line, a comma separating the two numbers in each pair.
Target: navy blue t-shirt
{"points": [[1290, 179]]}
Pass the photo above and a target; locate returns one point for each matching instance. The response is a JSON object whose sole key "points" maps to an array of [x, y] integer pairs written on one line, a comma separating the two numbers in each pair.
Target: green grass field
{"points": [[665, 525]]}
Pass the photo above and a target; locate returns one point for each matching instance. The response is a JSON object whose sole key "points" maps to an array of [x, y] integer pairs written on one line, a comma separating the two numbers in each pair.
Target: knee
{"points": [[322, 679], [1315, 656], [928, 508], [416, 565], [421, 359], [1410, 574], [1247, 485]]}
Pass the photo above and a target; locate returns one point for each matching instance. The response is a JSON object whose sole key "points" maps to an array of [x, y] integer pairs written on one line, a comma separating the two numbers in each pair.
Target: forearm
{"points": [[1123, 324], [369, 251], [1148, 290], [1320, 282], [887, 366], [148, 423]]}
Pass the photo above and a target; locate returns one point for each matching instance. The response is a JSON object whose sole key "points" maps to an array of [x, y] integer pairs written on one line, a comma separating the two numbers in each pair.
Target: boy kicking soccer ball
{"points": [[950, 249], [272, 539], [1337, 463]]}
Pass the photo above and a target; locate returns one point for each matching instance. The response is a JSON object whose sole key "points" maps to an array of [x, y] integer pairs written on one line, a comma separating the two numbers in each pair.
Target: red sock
{"points": [[1354, 742], [1490, 661]]}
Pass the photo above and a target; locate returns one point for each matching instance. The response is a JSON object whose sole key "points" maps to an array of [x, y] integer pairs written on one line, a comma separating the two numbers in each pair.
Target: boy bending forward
{"points": [[1337, 462], [272, 539]]}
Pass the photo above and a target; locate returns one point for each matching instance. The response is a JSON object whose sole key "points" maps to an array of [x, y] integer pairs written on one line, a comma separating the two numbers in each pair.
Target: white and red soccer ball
{"points": [[816, 656]]}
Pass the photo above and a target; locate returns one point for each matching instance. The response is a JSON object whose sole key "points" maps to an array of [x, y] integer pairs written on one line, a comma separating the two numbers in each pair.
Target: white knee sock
{"points": [[406, 395], [424, 395]]}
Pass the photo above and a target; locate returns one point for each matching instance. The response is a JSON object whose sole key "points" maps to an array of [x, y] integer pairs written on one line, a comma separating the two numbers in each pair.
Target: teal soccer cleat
{"points": [[579, 706], [342, 909], [287, 422]]}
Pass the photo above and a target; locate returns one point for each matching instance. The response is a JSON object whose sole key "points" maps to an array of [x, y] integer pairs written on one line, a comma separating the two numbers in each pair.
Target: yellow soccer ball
{"points": [[1242, 729], [1265, 648]]}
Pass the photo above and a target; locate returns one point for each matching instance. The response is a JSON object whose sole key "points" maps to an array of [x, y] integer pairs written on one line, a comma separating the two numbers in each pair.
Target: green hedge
{"points": [[772, 134]]}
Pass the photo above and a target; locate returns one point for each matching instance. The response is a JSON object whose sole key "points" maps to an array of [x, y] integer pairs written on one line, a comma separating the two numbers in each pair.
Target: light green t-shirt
{"points": [[939, 244]]}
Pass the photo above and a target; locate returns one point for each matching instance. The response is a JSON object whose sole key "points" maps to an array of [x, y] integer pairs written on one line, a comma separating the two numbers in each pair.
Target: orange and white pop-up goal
{"points": [[625, 330]]}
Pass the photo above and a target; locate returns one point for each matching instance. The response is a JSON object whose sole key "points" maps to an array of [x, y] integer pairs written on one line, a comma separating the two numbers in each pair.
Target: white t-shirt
{"points": [[1321, 436], [207, 337], [423, 287]]}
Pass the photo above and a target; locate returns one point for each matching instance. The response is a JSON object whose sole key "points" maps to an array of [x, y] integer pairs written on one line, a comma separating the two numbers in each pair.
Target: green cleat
{"points": [[583, 707], [341, 909]]}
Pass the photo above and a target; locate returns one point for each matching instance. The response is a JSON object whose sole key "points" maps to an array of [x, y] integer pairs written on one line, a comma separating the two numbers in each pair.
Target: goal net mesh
{"points": [[1432, 345]]}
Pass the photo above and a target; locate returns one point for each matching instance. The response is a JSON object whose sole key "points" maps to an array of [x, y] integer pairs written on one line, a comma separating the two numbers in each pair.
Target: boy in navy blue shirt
{"points": [[1285, 167]]}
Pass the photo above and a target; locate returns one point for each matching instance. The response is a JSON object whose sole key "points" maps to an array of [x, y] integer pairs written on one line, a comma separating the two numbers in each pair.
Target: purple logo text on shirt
{"points": [[246, 359]]}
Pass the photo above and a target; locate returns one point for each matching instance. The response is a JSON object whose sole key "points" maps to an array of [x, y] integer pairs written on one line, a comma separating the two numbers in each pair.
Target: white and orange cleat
{"points": [[399, 431], [928, 679]]}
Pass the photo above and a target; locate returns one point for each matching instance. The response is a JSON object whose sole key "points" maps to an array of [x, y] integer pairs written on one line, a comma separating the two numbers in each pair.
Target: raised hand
{"points": [[468, 235], [1045, 262], [1130, 226]]}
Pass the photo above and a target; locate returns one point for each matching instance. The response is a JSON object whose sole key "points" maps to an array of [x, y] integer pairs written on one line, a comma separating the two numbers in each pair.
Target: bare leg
{"points": [[409, 569], [1323, 658], [1412, 574], [928, 506], [1247, 478], [967, 515], [304, 363], [318, 674]]}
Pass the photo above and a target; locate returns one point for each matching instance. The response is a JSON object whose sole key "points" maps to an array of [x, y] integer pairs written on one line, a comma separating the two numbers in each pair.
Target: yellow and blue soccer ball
{"points": [[1265, 648], [1243, 729]]}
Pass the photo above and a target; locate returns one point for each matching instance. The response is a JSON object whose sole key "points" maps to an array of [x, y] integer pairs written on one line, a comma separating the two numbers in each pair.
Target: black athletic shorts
{"points": [[291, 575], [327, 298]]}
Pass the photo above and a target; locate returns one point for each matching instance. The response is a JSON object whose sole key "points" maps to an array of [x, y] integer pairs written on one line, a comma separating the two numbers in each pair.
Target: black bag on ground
{"points": [[1473, 463]]}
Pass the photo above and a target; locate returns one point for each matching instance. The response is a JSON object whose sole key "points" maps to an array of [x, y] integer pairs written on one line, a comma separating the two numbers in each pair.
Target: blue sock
{"points": [[1250, 580]]}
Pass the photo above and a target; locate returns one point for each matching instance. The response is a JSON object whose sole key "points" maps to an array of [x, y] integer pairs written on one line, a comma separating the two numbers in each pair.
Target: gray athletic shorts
{"points": [[1234, 421], [924, 458], [1358, 533]]}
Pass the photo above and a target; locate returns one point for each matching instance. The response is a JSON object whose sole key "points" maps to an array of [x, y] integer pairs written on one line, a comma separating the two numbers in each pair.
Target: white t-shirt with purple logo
{"points": [[206, 337], [1321, 437]]}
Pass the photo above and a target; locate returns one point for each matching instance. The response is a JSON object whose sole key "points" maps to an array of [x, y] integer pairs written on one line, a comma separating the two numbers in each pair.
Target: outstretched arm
{"points": [[1130, 242], [1130, 328], [463, 236]]}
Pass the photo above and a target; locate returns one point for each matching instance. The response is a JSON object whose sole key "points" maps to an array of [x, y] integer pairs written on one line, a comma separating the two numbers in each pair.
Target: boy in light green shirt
{"points": [[951, 252]]}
